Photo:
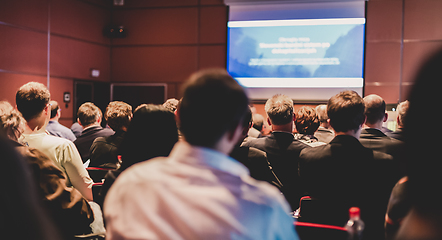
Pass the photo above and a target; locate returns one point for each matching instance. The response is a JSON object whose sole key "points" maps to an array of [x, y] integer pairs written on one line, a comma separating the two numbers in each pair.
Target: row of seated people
{"points": [[193, 191]]}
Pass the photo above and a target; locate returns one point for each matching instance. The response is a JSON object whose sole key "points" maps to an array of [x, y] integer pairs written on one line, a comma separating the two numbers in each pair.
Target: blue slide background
{"points": [[347, 44]]}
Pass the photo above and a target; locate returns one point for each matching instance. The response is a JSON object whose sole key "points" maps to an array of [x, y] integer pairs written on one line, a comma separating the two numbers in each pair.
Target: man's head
{"points": [[375, 110], [279, 108], [321, 110], [306, 121], [88, 114], [402, 109], [12, 123], [171, 104], [118, 115], [213, 104], [54, 110], [346, 111], [31, 99], [258, 121]]}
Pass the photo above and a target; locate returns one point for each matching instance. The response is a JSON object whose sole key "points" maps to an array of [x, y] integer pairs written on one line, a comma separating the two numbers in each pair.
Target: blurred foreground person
{"points": [[424, 220], [198, 192]]}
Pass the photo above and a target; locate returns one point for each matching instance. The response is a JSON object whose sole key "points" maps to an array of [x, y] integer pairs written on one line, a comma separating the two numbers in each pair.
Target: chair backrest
{"points": [[314, 231], [97, 174]]}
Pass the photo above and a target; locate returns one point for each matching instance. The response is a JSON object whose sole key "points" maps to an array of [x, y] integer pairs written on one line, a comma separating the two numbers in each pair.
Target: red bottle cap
{"points": [[354, 212]]}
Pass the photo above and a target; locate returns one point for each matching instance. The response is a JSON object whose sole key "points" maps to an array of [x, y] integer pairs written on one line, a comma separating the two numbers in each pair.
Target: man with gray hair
{"points": [[402, 109], [281, 147], [325, 132]]}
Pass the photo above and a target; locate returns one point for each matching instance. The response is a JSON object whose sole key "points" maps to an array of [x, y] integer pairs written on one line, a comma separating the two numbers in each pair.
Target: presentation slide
{"points": [[297, 53]]}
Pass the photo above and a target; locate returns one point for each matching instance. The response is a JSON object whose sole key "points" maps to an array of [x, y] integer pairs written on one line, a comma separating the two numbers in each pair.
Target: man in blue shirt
{"points": [[54, 127]]}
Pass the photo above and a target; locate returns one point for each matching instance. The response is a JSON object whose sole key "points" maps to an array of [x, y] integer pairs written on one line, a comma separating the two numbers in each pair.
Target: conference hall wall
{"points": [[167, 40]]}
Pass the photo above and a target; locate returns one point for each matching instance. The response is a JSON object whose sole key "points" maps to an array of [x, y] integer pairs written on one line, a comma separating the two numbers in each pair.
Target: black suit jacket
{"points": [[343, 174], [104, 150], [378, 141], [283, 154], [87, 137]]}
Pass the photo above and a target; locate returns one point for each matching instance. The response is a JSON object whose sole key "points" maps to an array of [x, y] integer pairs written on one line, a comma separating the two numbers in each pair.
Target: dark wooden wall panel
{"points": [[158, 26], [79, 20], [26, 13], [75, 59], [23, 50], [11, 82], [163, 64]]}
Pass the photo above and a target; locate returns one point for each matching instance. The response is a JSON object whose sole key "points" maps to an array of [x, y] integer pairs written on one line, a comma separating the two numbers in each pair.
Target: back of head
{"points": [[346, 111], [212, 104], [171, 104], [151, 133], [31, 99], [258, 121], [12, 123], [279, 108], [321, 110], [402, 110], [306, 120], [118, 115], [88, 114], [54, 108], [374, 108]]}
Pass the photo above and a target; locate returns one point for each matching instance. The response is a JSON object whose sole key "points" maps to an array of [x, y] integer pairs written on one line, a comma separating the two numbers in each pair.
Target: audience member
{"points": [[325, 132], [77, 129], [54, 127], [281, 147], [198, 192], [254, 159], [104, 150], [89, 117], [402, 109], [22, 215], [171, 104], [398, 207], [307, 122], [372, 136], [152, 133], [256, 130], [424, 220], [71, 213], [344, 173], [32, 101]]}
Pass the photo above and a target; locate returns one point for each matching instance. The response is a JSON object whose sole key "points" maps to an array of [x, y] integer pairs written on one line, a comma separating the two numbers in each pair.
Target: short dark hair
{"points": [[31, 99], [279, 108], [374, 108], [212, 104], [88, 114], [152, 133], [118, 115], [346, 111], [54, 108], [306, 121]]}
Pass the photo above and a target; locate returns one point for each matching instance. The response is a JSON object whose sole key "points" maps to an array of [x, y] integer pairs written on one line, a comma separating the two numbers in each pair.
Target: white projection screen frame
{"points": [[312, 88]]}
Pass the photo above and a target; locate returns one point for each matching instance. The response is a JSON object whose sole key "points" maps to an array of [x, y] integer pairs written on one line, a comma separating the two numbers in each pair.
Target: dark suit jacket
{"points": [[343, 174], [283, 154], [398, 134], [256, 161], [378, 141], [104, 150], [87, 137]]}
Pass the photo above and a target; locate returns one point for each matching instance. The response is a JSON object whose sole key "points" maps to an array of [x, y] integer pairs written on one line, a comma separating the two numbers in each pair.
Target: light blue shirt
{"points": [[195, 193], [56, 129]]}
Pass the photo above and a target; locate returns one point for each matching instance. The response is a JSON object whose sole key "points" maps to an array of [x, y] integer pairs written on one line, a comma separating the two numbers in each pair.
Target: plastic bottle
{"points": [[355, 226]]}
